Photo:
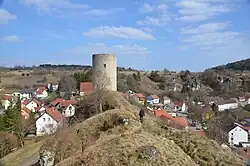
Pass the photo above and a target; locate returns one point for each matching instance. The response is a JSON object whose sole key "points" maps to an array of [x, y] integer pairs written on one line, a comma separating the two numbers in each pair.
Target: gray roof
{"points": [[27, 91]]}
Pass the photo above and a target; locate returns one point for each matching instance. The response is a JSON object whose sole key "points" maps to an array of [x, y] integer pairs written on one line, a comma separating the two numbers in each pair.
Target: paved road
{"points": [[31, 161]]}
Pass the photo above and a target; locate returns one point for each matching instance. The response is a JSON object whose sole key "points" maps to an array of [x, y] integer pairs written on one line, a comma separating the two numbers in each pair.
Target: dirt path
{"points": [[29, 161]]}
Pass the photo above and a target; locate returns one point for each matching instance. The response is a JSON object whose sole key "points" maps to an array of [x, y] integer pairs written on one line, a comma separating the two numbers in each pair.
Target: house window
{"points": [[48, 119], [44, 119], [70, 107], [232, 133], [105, 66]]}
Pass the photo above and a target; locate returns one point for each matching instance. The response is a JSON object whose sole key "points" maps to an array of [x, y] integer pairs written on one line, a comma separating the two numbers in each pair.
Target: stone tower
{"points": [[104, 71]]}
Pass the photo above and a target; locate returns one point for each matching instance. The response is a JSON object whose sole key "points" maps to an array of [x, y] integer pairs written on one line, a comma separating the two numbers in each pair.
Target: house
{"points": [[56, 102], [170, 107], [53, 87], [31, 104], [7, 100], [25, 112], [140, 98], [153, 99], [41, 92], [166, 100], [236, 135], [180, 106], [27, 94], [68, 107], [227, 104], [49, 122], [177, 122], [86, 88]]}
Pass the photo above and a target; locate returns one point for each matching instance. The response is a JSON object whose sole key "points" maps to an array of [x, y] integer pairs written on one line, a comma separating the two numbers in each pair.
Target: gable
{"points": [[238, 129], [44, 115]]}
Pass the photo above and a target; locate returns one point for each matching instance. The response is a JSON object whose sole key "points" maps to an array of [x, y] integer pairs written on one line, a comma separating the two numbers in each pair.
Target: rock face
{"points": [[47, 158]]}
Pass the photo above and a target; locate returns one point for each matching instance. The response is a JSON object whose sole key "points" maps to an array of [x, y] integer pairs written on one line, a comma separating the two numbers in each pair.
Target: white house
{"points": [[26, 94], [31, 104], [237, 135], [153, 99], [140, 98], [228, 104], [68, 107], [6, 102], [41, 92], [180, 106], [166, 100], [69, 111], [49, 122]]}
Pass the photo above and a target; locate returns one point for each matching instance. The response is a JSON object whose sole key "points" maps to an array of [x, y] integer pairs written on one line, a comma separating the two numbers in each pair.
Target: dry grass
{"points": [[17, 157], [133, 144]]}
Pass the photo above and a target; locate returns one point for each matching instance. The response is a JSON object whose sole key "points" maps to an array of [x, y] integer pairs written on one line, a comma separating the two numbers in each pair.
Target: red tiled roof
{"points": [[162, 113], [55, 114], [8, 97], [26, 110], [182, 121], [25, 102], [38, 108], [86, 87], [40, 90], [66, 103], [140, 95], [178, 103], [245, 127], [56, 101]]}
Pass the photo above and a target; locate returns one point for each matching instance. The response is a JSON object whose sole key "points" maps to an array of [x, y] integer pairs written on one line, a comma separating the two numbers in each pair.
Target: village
{"points": [[50, 116]]}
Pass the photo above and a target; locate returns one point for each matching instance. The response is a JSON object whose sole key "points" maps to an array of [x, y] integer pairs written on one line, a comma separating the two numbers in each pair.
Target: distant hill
{"points": [[243, 65]]}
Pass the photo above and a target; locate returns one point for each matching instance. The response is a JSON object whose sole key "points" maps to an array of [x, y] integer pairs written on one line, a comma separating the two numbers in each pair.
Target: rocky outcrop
{"points": [[47, 158]]}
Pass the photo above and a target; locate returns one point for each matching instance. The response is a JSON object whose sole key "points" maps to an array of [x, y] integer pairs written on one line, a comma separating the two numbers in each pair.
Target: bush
{"points": [[7, 143], [23, 74], [154, 76]]}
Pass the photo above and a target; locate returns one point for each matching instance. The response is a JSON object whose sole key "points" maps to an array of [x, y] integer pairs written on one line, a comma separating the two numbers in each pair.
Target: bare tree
{"points": [[67, 84], [100, 91]]}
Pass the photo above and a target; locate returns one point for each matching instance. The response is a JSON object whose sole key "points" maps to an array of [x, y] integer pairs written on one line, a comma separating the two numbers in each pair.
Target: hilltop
{"points": [[105, 139], [243, 65]]}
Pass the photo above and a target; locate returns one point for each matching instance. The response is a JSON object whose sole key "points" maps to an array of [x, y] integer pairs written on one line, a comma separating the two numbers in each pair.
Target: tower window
{"points": [[105, 66]]}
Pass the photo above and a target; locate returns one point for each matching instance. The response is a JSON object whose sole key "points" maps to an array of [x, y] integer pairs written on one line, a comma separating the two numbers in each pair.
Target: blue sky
{"points": [[150, 34]]}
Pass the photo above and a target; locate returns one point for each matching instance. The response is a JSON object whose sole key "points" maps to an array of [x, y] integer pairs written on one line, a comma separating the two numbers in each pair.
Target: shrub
{"points": [[23, 74], [7, 143]]}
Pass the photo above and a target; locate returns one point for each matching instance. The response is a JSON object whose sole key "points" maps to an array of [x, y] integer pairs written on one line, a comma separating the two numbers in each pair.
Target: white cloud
{"points": [[147, 8], [55, 4], [103, 12], [66, 8], [11, 39], [194, 10], [209, 35], [104, 48], [5, 16], [119, 32], [159, 15], [205, 28]]}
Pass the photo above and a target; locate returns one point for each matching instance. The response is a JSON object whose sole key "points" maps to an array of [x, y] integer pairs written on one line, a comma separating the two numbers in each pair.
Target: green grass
{"points": [[17, 157]]}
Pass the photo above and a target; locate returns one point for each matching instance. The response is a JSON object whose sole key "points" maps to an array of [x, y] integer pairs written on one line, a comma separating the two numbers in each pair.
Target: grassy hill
{"points": [[103, 140]]}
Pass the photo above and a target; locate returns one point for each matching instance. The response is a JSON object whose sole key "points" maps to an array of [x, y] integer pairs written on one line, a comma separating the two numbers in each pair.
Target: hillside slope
{"points": [[104, 140], [238, 65]]}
